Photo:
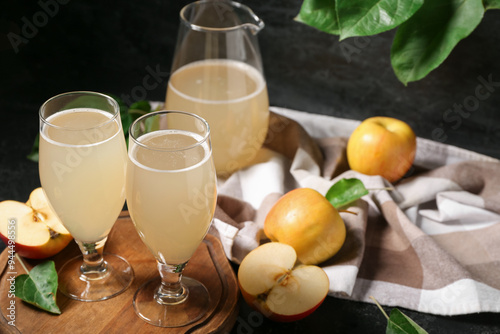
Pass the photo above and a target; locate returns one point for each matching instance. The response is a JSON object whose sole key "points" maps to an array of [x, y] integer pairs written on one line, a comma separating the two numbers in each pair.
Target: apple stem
{"points": [[385, 188], [22, 264], [380, 307], [351, 212]]}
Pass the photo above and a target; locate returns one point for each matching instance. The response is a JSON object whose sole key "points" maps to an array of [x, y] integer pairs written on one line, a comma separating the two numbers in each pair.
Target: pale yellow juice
{"points": [[82, 170], [232, 97], [171, 195]]}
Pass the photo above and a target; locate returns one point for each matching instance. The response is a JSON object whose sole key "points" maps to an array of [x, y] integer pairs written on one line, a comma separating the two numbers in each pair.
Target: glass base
{"points": [[191, 309], [101, 286]]}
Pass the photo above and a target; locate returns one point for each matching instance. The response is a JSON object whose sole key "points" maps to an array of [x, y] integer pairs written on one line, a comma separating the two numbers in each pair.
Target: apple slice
{"points": [[272, 283], [33, 227], [40, 204]]}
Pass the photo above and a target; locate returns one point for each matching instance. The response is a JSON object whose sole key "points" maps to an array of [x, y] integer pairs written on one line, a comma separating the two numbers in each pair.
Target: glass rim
{"points": [[205, 137], [259, 23], [46, 122]]}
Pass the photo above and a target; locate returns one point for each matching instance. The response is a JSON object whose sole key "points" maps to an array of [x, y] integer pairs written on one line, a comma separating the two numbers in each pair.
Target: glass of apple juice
{"points": [[171, 197], [82, 165]]}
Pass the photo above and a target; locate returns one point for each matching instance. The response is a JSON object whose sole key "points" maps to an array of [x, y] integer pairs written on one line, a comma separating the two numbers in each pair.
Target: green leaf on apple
{"points": [[345, 191], [39, 287]]}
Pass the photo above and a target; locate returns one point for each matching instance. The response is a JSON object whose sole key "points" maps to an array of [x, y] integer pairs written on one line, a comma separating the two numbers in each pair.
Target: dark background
{"points": [[111, 46]]}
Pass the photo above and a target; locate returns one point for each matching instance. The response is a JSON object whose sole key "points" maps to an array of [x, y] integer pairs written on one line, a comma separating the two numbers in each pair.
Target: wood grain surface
{"points": [[116, 315]]}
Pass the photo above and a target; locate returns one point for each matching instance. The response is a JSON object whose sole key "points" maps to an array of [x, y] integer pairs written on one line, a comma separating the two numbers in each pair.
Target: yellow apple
{"points": [[307, 221], [32, 227], [382, 146], [272, 283]]}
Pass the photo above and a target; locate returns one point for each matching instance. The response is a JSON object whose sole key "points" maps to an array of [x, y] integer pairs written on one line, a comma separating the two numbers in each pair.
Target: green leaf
{"points": [[345, 191], [141, 105], [152, 123], [370, 17], [492, 4], [424, 41], [39, 287], [33, 155], [136, 113], [124, 115], [399, 323], [319, 14], [428, 30]]}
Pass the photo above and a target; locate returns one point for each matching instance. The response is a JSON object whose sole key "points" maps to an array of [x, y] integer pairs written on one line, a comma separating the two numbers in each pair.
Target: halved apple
{"points": [[34, 228], [274, 284]]}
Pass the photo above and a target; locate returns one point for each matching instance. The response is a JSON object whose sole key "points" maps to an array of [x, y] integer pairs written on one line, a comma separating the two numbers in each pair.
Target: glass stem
{"points": [[171, 291], [93, 267]]}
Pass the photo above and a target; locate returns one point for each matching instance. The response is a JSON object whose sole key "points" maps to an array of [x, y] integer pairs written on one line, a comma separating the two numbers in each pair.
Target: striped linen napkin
{"points": [[431, 245]]}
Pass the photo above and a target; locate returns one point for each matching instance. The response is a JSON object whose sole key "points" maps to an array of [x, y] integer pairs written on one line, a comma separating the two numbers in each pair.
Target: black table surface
{"points": [[54, 46]]}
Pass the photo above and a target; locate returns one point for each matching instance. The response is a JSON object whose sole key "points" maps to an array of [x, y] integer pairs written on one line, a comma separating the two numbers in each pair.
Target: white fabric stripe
{"points": [[342, 279], [264, 178], [461, 297]]}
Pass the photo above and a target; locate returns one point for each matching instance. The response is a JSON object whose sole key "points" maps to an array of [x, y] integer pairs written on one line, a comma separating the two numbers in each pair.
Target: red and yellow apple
{"points": [[34, 228], [274, 284], [382, 146], [307, 221]]}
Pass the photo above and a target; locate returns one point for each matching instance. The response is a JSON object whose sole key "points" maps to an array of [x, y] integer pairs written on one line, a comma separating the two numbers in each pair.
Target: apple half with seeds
{"points": [[32, 227], [273, 283]]}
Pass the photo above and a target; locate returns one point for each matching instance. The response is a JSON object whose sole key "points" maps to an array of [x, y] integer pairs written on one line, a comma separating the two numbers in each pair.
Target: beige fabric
{"points": [[432, 244]]}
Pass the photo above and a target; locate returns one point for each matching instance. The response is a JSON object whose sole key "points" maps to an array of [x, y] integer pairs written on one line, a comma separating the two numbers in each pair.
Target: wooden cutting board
{"points": [[116, 315]]}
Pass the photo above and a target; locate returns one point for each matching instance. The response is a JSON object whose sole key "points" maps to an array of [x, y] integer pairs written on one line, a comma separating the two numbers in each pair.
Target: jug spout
{"points": [[254, 28], [220, 15], [254, 23]]}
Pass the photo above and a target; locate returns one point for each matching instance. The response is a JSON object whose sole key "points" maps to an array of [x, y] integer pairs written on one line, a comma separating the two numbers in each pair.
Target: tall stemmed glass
{"points": [[82, 165], [171, 197]]}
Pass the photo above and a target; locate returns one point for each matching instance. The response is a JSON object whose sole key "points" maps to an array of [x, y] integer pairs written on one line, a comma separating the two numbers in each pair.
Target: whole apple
{"points": [[382, 146], [307, 221]]}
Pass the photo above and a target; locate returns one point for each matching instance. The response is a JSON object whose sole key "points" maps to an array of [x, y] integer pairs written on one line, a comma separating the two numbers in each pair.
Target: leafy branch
{"points": [[428, 30]]}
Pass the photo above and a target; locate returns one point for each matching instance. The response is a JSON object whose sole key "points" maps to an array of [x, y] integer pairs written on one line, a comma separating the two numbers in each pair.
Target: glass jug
{"points": [[217, 74]]}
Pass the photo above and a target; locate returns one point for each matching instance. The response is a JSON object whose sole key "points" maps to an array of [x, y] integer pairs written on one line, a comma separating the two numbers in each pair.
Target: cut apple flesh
{"points": [[278, 262], [271, 283], [28, 229], [303, 289], [38, 201], [32, 227]]}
